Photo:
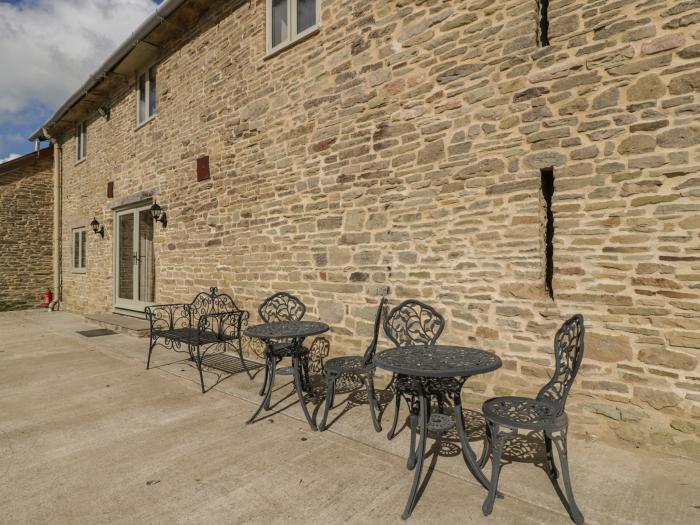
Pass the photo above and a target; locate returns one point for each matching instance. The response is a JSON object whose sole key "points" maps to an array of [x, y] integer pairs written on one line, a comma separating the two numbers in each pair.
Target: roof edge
{"points": [[161, 12], [13, 164]]}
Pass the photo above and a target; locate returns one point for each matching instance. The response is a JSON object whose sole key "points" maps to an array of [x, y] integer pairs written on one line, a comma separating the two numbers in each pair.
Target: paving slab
{"points": [[87, 435]]}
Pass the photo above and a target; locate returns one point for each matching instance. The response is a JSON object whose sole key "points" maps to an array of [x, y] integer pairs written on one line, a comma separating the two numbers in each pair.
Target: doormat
{"points": [[97, 332]]}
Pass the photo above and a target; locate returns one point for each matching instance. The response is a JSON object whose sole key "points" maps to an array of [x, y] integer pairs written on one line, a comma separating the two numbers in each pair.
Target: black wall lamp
{"points": [[97, 227], [159, 215]]}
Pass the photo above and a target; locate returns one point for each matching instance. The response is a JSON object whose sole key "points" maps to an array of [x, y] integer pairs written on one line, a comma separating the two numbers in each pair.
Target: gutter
{"points": [[159, 16], [57, 226]]}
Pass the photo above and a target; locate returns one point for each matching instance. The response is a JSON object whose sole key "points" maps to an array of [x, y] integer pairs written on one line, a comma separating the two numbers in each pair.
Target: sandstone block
{"points": [[680, 137], [688, 83], [664, 43], [608, 348], [431, 152], [637, 144], [667, 358], [684, 339], [658, 399], [649, 87]]}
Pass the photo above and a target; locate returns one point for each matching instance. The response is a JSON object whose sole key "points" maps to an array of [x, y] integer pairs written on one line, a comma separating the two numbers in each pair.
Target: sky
{"points": [[48, 48]]}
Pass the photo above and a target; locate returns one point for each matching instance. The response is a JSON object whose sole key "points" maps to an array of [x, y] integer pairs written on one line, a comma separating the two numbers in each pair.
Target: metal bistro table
{"points": [[425, 364], [296, 331]]}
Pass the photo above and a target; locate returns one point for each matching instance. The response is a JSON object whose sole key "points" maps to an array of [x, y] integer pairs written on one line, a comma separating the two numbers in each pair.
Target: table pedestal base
{"points": [[270, 372], [416, 458]]}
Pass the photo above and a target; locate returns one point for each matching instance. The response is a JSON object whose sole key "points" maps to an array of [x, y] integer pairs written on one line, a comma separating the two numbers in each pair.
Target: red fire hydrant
{"points": [[48, 297]]}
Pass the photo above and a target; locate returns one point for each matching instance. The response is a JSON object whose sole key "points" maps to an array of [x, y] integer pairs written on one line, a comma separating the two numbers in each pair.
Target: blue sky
{"points": [[49, 47]]}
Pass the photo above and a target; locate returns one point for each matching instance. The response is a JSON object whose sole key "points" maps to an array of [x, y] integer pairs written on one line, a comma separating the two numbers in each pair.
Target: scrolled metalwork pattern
{"points": [[282, 306], [168, 316], [521, 411], [318, 351], [437, 361], [351, 364], [568, 354], [286, 329], [414, 323], [212, 321], [225, 326]]}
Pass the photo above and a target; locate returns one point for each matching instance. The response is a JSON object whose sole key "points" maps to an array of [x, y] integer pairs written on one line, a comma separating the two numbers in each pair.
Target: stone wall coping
{"points": [[134, 198]]}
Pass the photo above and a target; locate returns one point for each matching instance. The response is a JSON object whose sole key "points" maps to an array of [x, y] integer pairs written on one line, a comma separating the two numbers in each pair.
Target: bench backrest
{"points": [[210, 303]]}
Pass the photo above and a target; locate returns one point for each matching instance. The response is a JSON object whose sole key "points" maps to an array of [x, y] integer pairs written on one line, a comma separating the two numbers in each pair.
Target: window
{"points": [[543, 25], [290, 20], [81, 141], [146, 100], [79, 237], [547, 187]]}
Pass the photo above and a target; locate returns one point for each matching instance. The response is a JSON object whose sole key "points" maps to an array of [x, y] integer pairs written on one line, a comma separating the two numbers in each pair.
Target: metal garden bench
{"points": [[212, 322]]}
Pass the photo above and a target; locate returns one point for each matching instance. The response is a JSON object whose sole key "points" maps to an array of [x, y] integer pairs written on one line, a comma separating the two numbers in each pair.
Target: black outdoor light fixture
{"points": [[159, 215], [97, 227]]}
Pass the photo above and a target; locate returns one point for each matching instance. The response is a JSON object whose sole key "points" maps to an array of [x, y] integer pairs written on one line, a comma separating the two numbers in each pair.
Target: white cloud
{"points": [[10, 157], [48, 48]]}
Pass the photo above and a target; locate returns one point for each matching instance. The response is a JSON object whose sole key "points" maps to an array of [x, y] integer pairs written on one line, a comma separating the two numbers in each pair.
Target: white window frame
{"points": [[147, 98], [81, 150], [292, 36], [81, 235]]}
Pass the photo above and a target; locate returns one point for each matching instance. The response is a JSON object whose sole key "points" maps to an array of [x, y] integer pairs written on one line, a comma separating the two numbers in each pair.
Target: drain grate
{"points": [[99, 332]]}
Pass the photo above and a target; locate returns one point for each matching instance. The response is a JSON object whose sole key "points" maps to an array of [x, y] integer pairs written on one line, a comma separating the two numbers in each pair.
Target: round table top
{"points": [[437, 361], [283, 329]]}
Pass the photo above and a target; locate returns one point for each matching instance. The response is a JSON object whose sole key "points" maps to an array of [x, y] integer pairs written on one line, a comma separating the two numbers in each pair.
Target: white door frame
{"points": [[133, 304]]}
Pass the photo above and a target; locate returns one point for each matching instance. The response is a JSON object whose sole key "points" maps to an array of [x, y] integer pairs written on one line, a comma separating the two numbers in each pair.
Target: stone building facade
{"points": [[466, 154], [26, 229]]}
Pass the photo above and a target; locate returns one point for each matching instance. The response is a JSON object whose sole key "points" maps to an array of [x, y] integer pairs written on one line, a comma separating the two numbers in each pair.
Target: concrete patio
{"points": [[87, 435]]}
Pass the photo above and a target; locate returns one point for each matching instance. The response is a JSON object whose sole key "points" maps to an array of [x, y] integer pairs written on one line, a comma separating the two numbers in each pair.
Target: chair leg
{"points": [[330, 394], [273, 368], [239, 348], [412, 453], [486, 453], [397, 408], [560, 443], [391, 383], [151, 345], [551, 467], [498, 442], [199, 367], [262, 388], [305, 376], [373, 408]]}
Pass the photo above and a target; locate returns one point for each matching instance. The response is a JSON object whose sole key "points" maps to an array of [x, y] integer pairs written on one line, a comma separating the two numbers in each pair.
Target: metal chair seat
{"points": [[347, 365], [361, 366], [525, 413], [190, 336]]}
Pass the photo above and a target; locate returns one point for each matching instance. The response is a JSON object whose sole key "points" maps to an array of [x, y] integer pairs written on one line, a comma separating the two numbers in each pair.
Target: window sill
{"points": [[149, 119], [286, 45], [78, 270], [80, 161]]}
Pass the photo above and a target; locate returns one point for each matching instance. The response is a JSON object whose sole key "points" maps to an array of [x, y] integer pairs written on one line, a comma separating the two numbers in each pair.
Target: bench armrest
{"points": [[226, 325], [168, 316]]}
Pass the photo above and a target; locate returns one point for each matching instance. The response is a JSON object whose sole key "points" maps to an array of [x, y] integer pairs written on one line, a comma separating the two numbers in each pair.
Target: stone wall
{"points": [[399, 151], [26, 229]]}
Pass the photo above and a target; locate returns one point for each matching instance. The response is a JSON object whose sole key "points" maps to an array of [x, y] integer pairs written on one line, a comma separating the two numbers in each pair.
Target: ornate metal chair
{"points": [[212, 320], [412, 323], [543, 414], [282, 306], [362, 366]]}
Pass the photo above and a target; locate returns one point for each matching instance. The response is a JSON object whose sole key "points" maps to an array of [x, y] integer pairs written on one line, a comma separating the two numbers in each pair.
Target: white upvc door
{"points": [[134, 264]]}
